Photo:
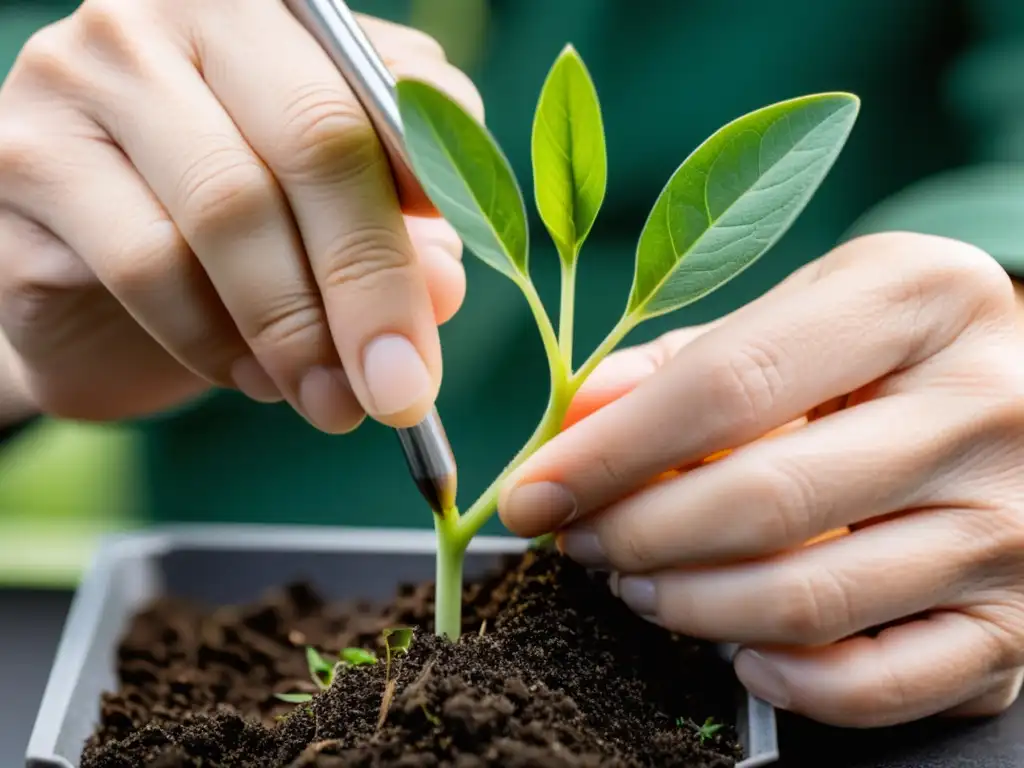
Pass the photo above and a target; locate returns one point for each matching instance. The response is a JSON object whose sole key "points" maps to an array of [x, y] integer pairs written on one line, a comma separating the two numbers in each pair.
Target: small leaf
{"points": [[734, 197], [398, 639], [358, 656], [294, 698], [318, 665], [570, 161], [466, 176]]}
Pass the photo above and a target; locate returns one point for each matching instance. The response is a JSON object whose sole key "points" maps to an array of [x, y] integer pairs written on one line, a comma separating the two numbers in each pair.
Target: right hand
{"points": [[191, 195]]}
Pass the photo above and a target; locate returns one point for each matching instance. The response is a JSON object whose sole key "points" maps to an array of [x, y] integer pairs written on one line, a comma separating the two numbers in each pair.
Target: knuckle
{"points": [[105, 28], [326, 135], [295, 318], [363, 256], [47, 59], [222, 191], [993, 542], [810, 609], [785, 503], [953, 271], [20, 151], [745, 384], [144, 262]]}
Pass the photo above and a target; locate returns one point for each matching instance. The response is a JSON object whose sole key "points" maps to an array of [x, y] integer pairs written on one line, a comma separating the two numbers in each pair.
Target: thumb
{"points": [[620, 372]]}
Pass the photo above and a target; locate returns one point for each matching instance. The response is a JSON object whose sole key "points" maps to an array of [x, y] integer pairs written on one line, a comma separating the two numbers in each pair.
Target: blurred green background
{"points": [[61, 485]]}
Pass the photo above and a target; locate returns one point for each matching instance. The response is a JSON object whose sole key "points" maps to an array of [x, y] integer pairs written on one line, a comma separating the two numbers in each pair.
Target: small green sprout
{"points": [[323, 672], [358, 656], [396, 641], [704, 732], [294, 698], [727, 204]]}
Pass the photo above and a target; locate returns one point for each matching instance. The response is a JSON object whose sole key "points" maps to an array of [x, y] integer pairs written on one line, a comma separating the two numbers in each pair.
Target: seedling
{"points": [[704, 732], [396, 641], [322, 672], [723, 208]]}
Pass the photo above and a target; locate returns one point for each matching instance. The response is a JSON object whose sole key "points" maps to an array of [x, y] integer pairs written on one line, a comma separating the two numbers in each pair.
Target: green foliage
{"points": [[396, 641], [322, 671], [319, 668], [466, 176], [724, 207], [357, 656], [570, 164], [705, 731], [734, 197]]}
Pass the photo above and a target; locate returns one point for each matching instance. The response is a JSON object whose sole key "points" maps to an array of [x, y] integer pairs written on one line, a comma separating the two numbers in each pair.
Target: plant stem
{"points": [[559, 371], [566, 310], [448, 587], [455, 531], [617, 334], [483, 508]]}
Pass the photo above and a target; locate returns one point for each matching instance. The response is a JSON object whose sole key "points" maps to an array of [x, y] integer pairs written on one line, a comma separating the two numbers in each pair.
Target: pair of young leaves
{"points": [[322, 672], [723, 208]]}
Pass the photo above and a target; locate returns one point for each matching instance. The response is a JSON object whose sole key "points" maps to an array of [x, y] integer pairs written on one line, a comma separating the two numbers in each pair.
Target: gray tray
{"points": [[233, 564]]}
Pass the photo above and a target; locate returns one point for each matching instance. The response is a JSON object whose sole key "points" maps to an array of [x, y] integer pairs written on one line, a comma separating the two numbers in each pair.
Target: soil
{"points": [[553, 671]]}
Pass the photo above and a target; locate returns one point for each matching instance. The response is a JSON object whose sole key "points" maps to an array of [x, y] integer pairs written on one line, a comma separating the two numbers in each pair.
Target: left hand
{"points": [[891, 376]]}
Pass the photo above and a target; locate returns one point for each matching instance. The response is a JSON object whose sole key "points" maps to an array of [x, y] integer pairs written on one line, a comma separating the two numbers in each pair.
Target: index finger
{"points": [[306, 122], [854, 320]]}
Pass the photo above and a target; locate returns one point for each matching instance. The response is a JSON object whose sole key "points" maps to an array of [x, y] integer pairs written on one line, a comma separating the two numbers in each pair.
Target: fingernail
{"points": [[584, 546], [548, 503], [639, 594], [254, 382], [395, 374], [326, 399], [762, 678]]}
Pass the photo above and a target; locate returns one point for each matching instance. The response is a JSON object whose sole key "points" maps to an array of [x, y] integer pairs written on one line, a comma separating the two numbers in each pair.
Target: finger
{"points": [[622, 371], [439, 250], [819, 594], [767, 365], [230, 211], [305, 121], [771, 495], [996, 700], [906, 673], [132, 285]]}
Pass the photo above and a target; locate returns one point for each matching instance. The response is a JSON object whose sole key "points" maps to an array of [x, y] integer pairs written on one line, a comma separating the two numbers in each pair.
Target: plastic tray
{"points": [[234, 564]]}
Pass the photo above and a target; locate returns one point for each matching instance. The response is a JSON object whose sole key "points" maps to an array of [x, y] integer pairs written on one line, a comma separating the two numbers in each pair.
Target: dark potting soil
{"points": [[553, 671]]}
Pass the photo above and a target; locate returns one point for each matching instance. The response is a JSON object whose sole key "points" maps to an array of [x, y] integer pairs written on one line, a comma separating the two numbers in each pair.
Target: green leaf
{"points": [[398, 639], [466, 176], [294, 698], [734, 197], [570, 162], [320, 669], [358, 656]]}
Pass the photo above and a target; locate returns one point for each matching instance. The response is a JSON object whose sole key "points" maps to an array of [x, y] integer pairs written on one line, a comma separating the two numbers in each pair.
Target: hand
{"points": [[191, 195], [891, 375]]}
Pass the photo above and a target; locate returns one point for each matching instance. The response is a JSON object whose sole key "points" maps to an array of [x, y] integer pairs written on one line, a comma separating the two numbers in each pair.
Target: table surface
{"points": [[31, 622]]}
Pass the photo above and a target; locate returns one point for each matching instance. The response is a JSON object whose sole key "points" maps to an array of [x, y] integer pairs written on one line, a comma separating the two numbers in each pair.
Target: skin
{"points": [[873, 401], [190, 196]]}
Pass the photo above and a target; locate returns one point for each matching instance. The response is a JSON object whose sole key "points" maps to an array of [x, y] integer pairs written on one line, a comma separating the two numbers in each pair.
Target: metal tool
{"points": [[427, 450]]}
